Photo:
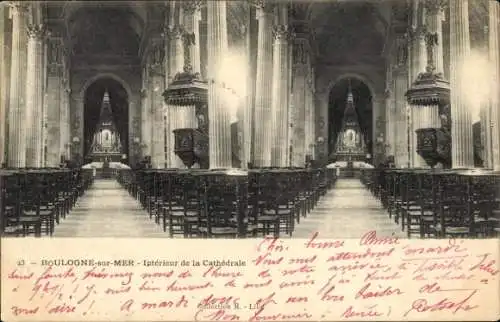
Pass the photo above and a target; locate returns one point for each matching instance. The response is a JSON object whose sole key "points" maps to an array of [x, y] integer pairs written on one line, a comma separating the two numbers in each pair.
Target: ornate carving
{"points": [[156, 53], [264, 7], [435, 6], [191, 6], [189, 40], [55, 51], [321, 123], [174, 32], [418, 33], [402, 52], [36, 31], [300, 52], [281, 32], [18, 7], [387, 93], [431, 40]]}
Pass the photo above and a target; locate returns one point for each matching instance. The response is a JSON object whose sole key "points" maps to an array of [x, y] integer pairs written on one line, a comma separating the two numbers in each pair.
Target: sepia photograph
{"points": [[241, 119]]}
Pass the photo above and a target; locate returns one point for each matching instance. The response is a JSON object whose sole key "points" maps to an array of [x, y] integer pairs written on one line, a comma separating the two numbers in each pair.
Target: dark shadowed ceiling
{"points": [[348, 31], [104, 30]]}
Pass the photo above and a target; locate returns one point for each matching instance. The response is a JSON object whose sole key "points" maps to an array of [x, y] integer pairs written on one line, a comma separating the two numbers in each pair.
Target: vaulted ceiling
{"points": [[104, 31], [343, 31], [348, 31]]}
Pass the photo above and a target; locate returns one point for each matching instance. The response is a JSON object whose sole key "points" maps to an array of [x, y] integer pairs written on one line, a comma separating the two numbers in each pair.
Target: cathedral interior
{"points": [[249, 118]]}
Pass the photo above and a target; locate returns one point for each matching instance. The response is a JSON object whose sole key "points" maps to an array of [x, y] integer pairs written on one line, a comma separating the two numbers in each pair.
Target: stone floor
{"points": [[106, 210], [347, 211]]}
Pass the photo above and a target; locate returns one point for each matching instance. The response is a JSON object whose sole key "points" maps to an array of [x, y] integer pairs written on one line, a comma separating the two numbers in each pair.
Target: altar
{"points": [[350, 145], [106, 144], [350, 148]]}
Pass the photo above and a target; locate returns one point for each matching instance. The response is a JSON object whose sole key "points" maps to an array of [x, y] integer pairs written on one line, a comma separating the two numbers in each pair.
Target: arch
{"points": [[364, 97], [82, 108], [357, 76], [98, 76]]}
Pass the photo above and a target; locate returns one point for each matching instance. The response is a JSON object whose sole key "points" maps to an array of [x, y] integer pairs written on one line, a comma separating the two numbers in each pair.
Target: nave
{"points": [[235, 204]]}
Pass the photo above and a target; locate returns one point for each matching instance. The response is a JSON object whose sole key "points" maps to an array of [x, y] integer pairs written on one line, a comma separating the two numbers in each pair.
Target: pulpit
{"points": [[432, 89], [191, 145], [433, 145]]}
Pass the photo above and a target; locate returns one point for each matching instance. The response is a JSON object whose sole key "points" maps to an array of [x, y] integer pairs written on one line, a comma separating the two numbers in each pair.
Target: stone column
{"points": [[400, 88], [390, 120], [300, 70], [400, 78], [263, 92], [17, 104], [192, 17], [461, 119], [494, 49], [156, 52], [146, 125], [55, 110], [309, 112], [280, 93], [34, 97], [4, 81], [248, 104], [219, 130], [66, 120]]}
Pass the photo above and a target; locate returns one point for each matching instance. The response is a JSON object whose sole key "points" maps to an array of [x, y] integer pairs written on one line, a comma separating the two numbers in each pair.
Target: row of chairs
{"points": [[436, 203], [33, 201], [227, 204]]}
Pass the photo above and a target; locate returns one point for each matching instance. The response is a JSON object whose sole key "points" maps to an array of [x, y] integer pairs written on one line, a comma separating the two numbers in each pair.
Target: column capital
{"points": [[434, 7], [417, 33], [191, 6], [18, 7], [175, 32], [282, 33], [37, 32], [264, 7]]}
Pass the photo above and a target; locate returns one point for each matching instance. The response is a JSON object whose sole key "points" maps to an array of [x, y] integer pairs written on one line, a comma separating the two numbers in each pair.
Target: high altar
{"points": [[350, 145], [106, 145]]}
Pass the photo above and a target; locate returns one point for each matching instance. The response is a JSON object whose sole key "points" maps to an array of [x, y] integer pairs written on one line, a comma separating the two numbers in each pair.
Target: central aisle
{"points": [[347, 211], [107, 210]]}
